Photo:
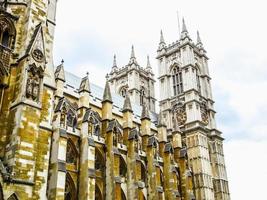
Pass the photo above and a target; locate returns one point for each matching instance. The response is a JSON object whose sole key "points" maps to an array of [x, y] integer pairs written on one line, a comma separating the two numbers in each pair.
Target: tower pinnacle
{"points": [[161, 37], [114, 66], [199, 42], [148, 66], [132, 52], [184, 29], [184, 33], [162, 43], [198, 38], [133, 58]]}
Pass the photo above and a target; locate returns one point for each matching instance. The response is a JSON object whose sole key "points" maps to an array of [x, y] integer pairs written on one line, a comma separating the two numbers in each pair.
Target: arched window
{"points": [[142, 96], [177, 81], [70, 190], [198, 81], [123, 92], [72, 154], [5, 39]]}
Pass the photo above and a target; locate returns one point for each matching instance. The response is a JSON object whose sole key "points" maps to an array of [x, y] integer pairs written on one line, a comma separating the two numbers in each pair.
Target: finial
{"points": [[87, 73], [106, 77], [132, 53], [184, 27], [161, 38], [62, 61]]}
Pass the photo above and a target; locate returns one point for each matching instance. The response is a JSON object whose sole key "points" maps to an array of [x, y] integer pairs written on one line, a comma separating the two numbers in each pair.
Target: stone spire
{"points": [[199, 42], [145, 113], [127, 104], [107, 93], [198, 38], [148, 66], [161, 37], [162, 43], [132, 52], [133, 58], [184, 29], [85, 84]]}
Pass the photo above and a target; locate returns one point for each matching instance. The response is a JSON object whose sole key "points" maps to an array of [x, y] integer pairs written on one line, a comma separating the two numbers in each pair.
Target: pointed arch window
{"points": [[7, 32], [123, 92], [70, 189], [142, 96], [5, 39], [198, 80], [72, 154], [177, 81]]}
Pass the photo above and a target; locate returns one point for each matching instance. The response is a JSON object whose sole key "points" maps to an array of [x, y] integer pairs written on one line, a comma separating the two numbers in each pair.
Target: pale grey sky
{"points": [[234, 33]]}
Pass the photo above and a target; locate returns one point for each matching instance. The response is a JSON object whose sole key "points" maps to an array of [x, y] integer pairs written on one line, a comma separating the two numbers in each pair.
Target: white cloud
{"points": [[246, 167]]}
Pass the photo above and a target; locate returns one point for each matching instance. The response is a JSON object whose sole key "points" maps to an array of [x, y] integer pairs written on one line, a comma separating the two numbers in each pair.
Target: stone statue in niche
{"points": [[63, 118], [204, 113], [32, 89], [33, 83]]}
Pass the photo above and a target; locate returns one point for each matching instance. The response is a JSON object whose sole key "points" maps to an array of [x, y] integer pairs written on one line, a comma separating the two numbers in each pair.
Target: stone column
{"points": [[87, 164], [57, 169], [151, 168]]}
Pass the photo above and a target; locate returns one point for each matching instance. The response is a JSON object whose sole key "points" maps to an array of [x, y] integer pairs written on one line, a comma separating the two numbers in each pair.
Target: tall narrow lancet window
{"points": [[142, 96], [5, 39], [198, 81], [177, 81]]}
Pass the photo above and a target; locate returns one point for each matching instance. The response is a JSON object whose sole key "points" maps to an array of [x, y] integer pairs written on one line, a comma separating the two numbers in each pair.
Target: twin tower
{"points": [[62, 137]]}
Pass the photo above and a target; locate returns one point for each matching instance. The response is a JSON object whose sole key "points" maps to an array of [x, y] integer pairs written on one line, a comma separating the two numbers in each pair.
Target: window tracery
{"points": [[7, 32], [71, 155], [177, 81], [70, 190]]}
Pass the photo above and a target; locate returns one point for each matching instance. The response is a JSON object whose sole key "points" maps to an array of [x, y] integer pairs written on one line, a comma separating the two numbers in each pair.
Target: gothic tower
{"points": [[139, 81], [186, 104], [27, 87]]}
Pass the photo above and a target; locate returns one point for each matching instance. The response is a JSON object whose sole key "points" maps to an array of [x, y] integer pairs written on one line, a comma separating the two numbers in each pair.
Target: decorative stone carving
{"points": [[204, 112], [38, 55], [179, 114]]}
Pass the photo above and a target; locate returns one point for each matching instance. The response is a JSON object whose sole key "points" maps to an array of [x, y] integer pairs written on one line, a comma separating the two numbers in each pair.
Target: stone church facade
{"points": [[63, 137]]}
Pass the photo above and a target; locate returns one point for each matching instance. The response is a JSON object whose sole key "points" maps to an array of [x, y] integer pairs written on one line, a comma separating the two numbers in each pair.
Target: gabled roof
{"points": [[114, 124], [64, 102], [133, 134]]}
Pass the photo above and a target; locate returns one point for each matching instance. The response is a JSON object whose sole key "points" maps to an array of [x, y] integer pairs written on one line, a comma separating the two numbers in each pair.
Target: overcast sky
{"points": [[234, 33]]}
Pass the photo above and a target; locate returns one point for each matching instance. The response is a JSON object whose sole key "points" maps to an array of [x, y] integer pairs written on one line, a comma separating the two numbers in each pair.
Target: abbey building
{"points": [[63, 137]]}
